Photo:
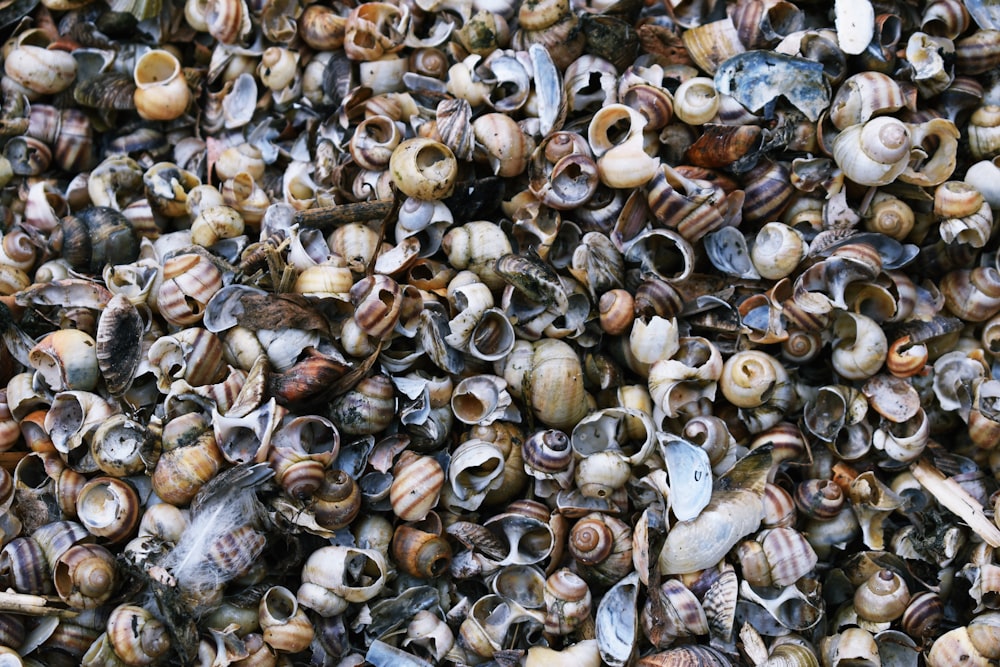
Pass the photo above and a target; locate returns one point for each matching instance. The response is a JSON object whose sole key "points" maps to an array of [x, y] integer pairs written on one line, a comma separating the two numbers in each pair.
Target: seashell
{"points": [[691, 206], [713, 43], [755, 78], [93, 237], [284, 626], [923, 615], [73, 416], [161, 91], [883, 597], [189, 282], [420, 553], [860, 346], [925, 54], [322, 28], [782, 558], [216, 224], [751, 378], [476, 468], [430, 633], [556, 381], [136, 636], [85, 576], [779, 507], [526, 539], [864, 96], [278, 67], [602, 545], [680, 614], [373, 143], [875, 152], [333, 576], [613, 154], [567, 602], [416, 486], [109, 508], [194, 355], [118, 344], [182, 471], [969, 294], [39, 69], [68, 132], [685, 655], [731, 514], [423, 168], [66, 360], [617, 622], [24, 567]]}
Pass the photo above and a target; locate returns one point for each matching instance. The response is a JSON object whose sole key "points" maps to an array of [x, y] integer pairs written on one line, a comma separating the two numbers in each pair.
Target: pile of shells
{"points": [[476, 332]]}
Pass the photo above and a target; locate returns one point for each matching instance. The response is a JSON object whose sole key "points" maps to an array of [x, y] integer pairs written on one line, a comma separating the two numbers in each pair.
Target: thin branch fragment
{"points": [[34, 605], [330, 217], [957, 500]]}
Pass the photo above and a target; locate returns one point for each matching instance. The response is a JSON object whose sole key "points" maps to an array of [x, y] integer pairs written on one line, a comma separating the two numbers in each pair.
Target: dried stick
{"points": [[330, 217], [952, 496], [34, 605]]}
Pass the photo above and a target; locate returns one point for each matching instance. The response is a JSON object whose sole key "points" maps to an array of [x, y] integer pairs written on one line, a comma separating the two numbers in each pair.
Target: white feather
{"points": [[228, 505]]}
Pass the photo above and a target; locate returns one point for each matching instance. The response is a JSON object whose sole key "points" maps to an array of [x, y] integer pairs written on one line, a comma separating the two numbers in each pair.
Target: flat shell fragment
{"points": [[618, 622], [119, 343], [690, 478], [855, 21], [756, 78]]}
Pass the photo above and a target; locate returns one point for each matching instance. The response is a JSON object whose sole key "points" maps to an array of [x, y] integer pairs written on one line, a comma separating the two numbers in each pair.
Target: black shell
{"points": [[119, 344], [94, 237]]}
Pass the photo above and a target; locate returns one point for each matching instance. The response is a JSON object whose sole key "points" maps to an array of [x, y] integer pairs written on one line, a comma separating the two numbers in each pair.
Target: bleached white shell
{"points": [[855, 21]]}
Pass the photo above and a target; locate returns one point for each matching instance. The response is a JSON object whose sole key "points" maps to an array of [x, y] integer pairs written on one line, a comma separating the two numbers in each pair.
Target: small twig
{"points": [[34, 605], [957, 500], [330, 217]]}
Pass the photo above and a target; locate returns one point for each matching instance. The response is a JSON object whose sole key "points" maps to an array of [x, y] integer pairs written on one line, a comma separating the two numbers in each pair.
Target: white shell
{"points": [[855, 21]]}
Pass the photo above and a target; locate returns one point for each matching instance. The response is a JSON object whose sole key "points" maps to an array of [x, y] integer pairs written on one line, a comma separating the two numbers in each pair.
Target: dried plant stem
{"points": [[33, 605], [330, 217], [952, 496]]}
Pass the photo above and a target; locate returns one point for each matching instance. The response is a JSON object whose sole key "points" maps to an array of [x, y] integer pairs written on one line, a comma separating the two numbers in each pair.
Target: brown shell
{"points": [[86, 576], [419, 553], [337, 500]]}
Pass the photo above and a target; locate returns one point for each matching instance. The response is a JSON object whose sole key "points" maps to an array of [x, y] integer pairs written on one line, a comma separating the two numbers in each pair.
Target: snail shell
{"points": [[66, 360], [24, 568], [162, 91], [603, 544], [750, 377], [109, 508], [136, 636], [567, 602], [416, 486], [423, 168], [883, 597], [94, 237], [85, 576], [284, 625], [419, 553], [875, 152], [337, 501]]}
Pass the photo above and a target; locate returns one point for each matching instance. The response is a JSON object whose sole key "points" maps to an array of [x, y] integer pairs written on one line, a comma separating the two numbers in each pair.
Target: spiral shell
{"points": [[419, 553], [875, 152], [136, 636], [604, 545], [416, 486], [85, 576]]}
